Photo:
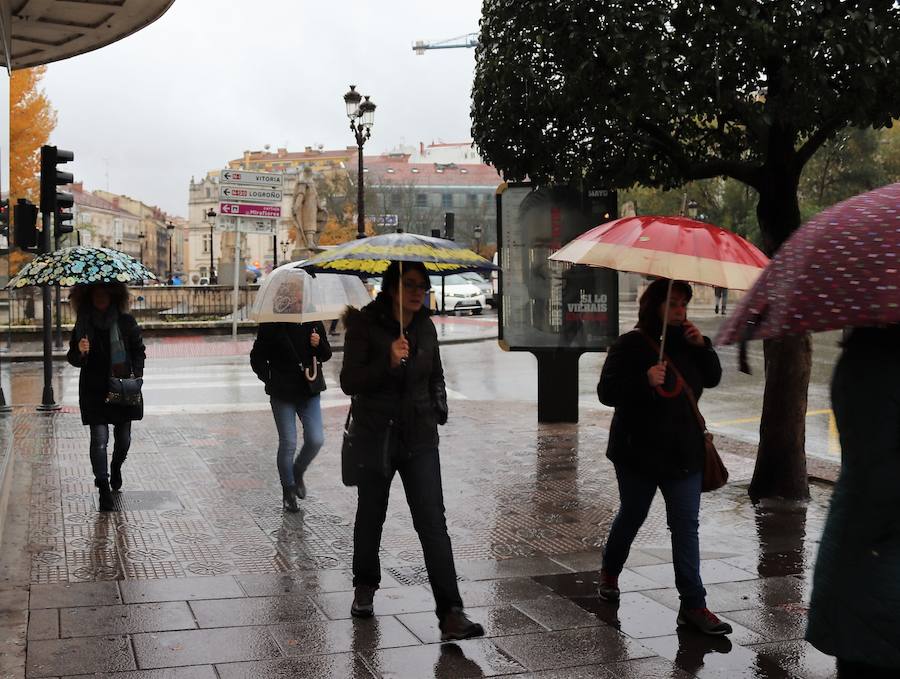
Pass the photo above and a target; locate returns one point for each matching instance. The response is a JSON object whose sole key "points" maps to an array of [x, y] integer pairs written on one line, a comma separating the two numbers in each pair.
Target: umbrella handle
{"points": [[311, 374]]}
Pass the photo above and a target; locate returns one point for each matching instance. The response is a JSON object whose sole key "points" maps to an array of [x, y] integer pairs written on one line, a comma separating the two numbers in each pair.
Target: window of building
{"points": [[473, 199], [446, 200], [421, 200], [206, 241], [396, 200]]}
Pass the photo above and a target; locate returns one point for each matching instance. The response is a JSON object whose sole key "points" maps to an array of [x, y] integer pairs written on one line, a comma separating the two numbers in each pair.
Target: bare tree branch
{"points": [[814, 142]]}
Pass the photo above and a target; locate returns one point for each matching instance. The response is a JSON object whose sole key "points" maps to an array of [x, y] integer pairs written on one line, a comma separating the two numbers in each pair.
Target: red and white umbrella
{"points": [[676, 248]]}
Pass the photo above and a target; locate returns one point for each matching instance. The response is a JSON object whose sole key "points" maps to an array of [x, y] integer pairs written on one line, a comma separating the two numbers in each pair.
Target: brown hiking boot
{"points": [[456, 625], [703, 620], [363, 602], [608, 589]]}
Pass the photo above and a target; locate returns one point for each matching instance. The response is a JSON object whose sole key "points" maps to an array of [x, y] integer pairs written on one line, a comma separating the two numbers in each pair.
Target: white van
{"points": [[495, 281]]}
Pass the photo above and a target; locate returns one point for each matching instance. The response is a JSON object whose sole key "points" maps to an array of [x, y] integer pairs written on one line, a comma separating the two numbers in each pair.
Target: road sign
{"points": [[249, 194], [392, 221], [247, 225], [270, 179], [250, 210]]}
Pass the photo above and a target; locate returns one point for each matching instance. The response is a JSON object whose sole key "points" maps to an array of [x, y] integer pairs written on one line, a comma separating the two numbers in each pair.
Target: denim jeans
{"points": [[310, 413], [421, 475], [682, 498], [100, 442]]}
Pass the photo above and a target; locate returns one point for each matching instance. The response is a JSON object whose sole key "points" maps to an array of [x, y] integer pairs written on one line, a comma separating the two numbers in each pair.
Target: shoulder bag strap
{"points": [[688, 392]]}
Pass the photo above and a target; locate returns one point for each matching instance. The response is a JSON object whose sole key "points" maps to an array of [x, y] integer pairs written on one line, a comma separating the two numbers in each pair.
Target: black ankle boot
{"points": [[115, 474], [289, 499], [106, 503]]}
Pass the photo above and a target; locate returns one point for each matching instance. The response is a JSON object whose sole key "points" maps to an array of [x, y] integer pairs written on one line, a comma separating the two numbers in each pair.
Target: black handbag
{"points": [[125, 391], [349, 464]]}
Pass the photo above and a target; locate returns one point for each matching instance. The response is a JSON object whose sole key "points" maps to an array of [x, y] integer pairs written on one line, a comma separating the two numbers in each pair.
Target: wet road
{"points": [[477, 371]]}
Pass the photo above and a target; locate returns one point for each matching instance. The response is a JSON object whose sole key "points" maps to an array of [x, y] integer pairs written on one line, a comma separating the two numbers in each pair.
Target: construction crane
{"points": [[460, 41]]}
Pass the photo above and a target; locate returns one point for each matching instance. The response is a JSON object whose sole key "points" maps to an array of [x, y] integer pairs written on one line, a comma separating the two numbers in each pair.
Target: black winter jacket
{"points": [[396, 411], [654, 435], [278, 353], [93, 382]]}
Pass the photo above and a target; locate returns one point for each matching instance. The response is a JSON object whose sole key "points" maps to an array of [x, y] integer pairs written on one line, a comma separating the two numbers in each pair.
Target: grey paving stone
{"points": [[203, 647], [43, 623], [471, 658], [339, 636], [195, 672], [90, 621], [644, 668], [497, 621], [556, 613], [490, 569], [65, 595], [712, 571], [181, 589], [571, 648], [414, 599], [87, 655], [707, 657], [332, 666], [269, 610], [496, 592], [798, 658]]}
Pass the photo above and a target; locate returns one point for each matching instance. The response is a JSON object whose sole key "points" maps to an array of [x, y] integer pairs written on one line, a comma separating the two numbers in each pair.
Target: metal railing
{"points": [[149, 303]]}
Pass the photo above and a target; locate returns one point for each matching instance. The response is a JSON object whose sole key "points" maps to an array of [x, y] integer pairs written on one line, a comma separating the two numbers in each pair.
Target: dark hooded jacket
{"points": [[654, 435], [93, 382], [395, 411], [280, 353], [854, 612]]}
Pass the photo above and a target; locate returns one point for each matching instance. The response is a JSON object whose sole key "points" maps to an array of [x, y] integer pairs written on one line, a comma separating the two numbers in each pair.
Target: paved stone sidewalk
{"points": [[200, 574]]}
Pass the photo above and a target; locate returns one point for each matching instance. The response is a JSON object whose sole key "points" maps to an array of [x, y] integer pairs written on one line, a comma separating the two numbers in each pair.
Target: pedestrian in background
{"points": [[656, 442], [288, 358], [106, 342], [854, 613], [721, 298], [399, 398]]}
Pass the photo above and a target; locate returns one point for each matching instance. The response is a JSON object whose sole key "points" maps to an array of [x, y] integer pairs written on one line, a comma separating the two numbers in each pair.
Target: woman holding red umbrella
{"points": [[657, 442]]}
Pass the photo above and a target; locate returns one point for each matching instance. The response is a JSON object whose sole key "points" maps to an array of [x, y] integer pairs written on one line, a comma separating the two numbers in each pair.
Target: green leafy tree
{"points": [[661, 92]]}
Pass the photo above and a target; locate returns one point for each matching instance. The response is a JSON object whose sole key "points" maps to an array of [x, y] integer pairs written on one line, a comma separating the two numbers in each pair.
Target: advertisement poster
{"points": [[548, 304]]}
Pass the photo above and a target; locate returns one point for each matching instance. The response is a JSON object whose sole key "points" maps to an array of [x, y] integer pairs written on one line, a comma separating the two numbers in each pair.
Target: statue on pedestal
{"points": [[305, 214]]}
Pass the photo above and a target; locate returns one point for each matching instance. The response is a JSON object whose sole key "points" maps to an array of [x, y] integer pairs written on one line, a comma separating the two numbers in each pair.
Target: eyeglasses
{"points": [[412, 287]]}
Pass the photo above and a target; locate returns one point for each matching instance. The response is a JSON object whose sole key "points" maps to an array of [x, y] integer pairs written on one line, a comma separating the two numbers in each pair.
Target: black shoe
{"points": [[289, 499], [608, 589], [703, 620], [298, 480], [363, 602], [105, 502], [115, 474], [456, 625], [300, 491]]}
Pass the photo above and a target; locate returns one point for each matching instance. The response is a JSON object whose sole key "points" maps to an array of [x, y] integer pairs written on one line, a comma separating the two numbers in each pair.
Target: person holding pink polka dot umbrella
{"points": [[841, 271]]}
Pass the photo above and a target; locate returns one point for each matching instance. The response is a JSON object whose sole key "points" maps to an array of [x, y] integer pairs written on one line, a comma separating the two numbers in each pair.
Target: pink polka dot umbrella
{"points": [[841, 269]]}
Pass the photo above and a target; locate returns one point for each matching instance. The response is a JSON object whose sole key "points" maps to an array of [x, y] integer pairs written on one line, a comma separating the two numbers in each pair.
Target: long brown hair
{"points": [[80, 296], [653, 297]]}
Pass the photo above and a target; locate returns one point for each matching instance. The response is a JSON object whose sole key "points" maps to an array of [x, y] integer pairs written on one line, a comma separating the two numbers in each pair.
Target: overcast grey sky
{"points": [[212, 78]]}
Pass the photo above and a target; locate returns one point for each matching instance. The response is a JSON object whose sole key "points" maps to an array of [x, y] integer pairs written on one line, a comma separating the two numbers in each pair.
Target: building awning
{"points": [[43, 31]]}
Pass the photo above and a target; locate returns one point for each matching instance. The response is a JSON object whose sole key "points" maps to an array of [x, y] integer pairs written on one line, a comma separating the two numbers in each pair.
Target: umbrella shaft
{"points": [[662, 342]]}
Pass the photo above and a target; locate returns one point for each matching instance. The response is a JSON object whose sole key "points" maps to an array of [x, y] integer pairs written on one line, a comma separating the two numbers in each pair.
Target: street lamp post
{"points": [[476, 232], [170, 227], [361, 112], [211, 219], [141, 237]]}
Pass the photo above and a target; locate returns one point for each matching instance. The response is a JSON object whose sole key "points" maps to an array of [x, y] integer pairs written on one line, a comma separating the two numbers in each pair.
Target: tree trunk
{"points": [[781, 458]]}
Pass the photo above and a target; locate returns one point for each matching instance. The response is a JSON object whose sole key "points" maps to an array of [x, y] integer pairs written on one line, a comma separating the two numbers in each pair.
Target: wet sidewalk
{"points": [[200, 574]]}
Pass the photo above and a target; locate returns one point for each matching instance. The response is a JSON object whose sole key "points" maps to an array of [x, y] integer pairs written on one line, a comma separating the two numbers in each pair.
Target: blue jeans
{"points": [[682, 498], [100, 442], [310, 413], [421, 476]]}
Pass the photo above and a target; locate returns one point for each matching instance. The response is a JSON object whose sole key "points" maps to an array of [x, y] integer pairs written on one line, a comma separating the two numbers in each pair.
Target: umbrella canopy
{"points": [[668, 247], [841, 269], [290, 295], [371, 256], [81, 265]]}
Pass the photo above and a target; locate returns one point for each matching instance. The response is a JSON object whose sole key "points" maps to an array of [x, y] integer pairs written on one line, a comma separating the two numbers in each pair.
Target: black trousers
{"points": [[99, 443], [421, 476]]}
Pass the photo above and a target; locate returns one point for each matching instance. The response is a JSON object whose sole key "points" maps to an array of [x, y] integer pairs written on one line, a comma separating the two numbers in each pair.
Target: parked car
{"points": [[495, 282], [479, 281], [461, 294]]}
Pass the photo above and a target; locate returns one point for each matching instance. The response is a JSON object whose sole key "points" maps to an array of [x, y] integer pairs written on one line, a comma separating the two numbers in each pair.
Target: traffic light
{"points": [[53, 202], [25, 224]]}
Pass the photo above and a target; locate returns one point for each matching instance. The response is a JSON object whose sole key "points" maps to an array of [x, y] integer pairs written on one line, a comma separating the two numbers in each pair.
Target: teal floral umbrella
{"points": [[81, 265]]}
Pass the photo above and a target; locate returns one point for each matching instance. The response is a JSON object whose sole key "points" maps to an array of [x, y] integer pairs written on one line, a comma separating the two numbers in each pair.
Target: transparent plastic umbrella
{"points": [[290, 295]]}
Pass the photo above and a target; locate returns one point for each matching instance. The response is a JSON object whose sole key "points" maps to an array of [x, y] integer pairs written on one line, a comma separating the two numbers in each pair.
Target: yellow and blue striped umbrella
{"points": [[371, 256]]}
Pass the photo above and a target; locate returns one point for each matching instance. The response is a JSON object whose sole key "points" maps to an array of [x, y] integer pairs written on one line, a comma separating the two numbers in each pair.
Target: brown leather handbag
{"points": [[715, 475]]}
